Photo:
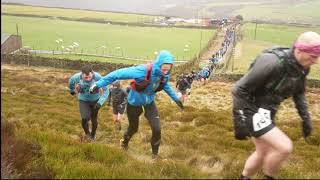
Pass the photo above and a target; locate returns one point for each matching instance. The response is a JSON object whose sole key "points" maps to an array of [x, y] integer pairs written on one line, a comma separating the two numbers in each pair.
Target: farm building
{"points": [[10, 43]]}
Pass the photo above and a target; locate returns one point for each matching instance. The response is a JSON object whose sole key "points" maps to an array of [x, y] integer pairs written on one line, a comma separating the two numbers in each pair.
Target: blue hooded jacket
{"points": [[138, 73], [204, 73], [84, 94]]}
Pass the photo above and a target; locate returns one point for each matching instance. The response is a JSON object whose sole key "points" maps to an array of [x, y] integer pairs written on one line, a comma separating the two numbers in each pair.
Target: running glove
{"points": [[307, 128], [179, 103], [93, 89], [97, 106]]}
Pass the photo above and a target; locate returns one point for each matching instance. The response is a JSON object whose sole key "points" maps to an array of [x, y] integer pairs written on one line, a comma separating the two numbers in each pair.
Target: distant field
{"points": [[275, 34], [268, 36], [298, 11], [77, 14], [304, 12], [94, 38], [249, 50]]}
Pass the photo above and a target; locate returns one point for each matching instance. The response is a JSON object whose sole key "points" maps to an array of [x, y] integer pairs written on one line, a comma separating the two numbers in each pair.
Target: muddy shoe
{"points": [[87, 137], [124, 145], [155, 157], [92, 137]]}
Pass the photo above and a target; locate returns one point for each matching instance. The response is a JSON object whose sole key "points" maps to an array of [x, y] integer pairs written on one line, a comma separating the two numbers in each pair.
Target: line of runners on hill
{"points": [[275, 75], [184, 81]]}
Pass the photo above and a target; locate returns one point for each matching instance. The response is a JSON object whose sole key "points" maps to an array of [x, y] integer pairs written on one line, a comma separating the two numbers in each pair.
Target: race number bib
{"points": [[261, 119]]}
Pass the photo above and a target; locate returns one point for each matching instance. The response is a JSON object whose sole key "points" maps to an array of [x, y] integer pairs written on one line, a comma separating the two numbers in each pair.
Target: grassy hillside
{"points": [[267, 36], [297, 12], [141, 42], [50, 120], [196, 143], [76, 14], [275, 34]]}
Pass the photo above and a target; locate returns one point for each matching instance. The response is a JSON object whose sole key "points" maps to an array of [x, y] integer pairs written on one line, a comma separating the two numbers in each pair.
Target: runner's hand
{"points": [[97, 106], [77, 88], [307, 128], [93, 89], [179, 103]]}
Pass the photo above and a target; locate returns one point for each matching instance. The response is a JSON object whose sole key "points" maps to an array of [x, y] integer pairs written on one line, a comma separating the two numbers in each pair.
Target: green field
{"points": [[136, 42], [275, 34], [303, 12], [268, 36], [284, 11], [77, 14]]}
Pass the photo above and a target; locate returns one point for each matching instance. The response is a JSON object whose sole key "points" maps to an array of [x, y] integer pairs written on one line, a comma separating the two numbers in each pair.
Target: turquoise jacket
{"points": [[84, 94]]}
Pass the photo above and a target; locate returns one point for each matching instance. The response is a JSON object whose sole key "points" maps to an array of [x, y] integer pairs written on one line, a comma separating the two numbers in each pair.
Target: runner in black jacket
{"points": [[119, 101], [184, 85], [276, 75]]}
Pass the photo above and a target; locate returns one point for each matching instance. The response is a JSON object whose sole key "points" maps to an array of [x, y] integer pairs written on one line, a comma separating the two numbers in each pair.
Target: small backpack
{"points": [[141, 86], [282, 56]]}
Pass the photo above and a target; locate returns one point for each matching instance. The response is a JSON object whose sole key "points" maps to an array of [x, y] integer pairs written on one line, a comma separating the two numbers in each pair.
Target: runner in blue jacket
{"points": [[147, 80], [89, 103]]}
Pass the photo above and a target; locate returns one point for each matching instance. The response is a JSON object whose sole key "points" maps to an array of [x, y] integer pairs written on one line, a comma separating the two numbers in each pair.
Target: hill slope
{"points": [[196, 143]]}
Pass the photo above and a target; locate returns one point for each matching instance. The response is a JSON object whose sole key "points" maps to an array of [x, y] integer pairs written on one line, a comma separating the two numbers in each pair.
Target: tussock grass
{"points": [[73, 159], [196, 143], [20, 157]]}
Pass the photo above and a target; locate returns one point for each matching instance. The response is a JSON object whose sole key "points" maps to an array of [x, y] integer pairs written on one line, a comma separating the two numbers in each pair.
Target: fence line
{"points": [[30, 60], [103, 66], [95, 55], [194, 62]]}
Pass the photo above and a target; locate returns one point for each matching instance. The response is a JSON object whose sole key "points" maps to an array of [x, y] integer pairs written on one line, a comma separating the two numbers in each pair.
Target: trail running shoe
{"points": [[123, 145], [155, 157], [92, 137]]}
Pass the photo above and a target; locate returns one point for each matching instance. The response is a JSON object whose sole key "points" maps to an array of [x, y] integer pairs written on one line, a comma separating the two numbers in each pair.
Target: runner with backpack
{"points": [[148, 79], [204, 74], [184, 85], [275, 75]]}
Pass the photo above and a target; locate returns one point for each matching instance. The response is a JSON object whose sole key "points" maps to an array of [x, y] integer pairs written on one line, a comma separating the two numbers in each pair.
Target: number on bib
{"points": [[261, 119]]}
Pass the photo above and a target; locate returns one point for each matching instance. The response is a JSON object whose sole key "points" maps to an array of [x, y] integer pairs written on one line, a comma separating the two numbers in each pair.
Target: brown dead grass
{"points": [[201, 136]]}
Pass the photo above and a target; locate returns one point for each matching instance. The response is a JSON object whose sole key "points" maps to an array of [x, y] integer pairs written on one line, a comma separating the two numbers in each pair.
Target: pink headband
{"points": [[312, 49]]}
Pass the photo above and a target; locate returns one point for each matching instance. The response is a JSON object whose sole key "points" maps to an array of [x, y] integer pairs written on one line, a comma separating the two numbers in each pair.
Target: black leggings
{"points": [[152, 115], [88, 112]]}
